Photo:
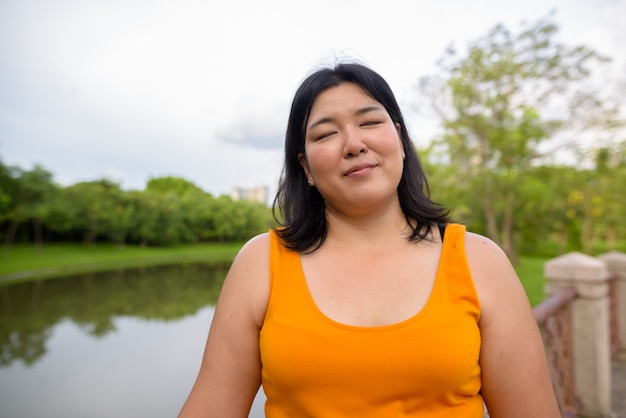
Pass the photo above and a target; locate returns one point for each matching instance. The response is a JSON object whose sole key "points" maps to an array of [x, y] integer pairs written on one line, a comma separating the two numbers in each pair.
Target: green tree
{"points": [[92, 208], [180, 215], [32, 191], [199, 217], [145, 226], [499, 104], [167, 184], [63, 215], [8, 186], [605, 197], [158, 218], [121, 217], [238, 220], [550, 213]]}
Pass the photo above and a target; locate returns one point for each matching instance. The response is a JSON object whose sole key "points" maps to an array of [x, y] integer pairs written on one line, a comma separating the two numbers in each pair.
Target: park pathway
{"points": [[618, 394]]}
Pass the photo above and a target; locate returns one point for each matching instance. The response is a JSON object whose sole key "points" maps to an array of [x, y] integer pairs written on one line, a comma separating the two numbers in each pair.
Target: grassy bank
{"points": [[530, 272], [25, 263]]}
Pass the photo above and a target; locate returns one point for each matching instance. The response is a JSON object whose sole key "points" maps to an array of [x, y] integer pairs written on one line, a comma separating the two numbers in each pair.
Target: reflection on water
{"points": [[124, 344]]}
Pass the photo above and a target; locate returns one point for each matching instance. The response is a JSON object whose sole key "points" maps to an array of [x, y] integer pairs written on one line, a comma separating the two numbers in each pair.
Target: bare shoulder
{"points": [[231, 367], [483, 252], [510, 340], [252, 258], [248, 278], [256, 250], [498, 287], [493, 274]]}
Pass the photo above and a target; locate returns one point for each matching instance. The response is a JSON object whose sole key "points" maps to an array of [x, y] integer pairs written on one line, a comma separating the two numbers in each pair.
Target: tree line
{"points": [[570, 206], [552, 209], [170, 210]]}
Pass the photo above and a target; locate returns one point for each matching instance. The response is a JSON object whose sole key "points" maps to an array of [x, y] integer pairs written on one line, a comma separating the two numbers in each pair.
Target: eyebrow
{"points": [[357, 112]]}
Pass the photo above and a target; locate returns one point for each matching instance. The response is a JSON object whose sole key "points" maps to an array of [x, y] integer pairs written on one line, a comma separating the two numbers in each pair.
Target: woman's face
{"points": [[353, 152]]}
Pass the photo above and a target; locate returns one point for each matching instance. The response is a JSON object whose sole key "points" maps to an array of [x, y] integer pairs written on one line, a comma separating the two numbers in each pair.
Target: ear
{"points": [[305, 166]]}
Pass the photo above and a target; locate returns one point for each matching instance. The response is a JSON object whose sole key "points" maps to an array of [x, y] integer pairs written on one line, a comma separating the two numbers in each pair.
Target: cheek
{"points": [[317, 166], [393, 144], [320, 159]]}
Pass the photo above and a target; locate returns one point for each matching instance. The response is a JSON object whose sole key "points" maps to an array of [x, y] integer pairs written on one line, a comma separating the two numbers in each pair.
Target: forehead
{"points": [[346, 96]]}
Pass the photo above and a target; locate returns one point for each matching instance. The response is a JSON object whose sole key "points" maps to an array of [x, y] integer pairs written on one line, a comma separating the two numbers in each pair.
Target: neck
{"points": [[374, 230]]}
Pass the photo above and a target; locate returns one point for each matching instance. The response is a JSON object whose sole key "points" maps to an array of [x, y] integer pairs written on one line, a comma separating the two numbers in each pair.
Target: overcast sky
{"points": [[200, 89]]}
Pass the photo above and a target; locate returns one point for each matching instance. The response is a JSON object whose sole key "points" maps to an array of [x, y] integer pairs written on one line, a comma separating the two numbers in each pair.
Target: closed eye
{"points": [[325, 135], [371, 123]]}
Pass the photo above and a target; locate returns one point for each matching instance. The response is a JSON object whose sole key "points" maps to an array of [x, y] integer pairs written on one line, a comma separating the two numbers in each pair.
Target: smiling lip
{"points": [[359, 167]]}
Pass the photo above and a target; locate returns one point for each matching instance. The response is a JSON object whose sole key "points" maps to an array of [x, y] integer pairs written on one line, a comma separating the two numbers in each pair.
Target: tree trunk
{"points": [[91, 235], [508, 243], [562, 235], [586, 237], [8, 242], [586, 230], [38, 235], [611, 238], [490, 217]]}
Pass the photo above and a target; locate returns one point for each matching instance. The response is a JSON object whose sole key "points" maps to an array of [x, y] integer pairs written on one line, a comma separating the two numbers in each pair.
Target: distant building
{"points": [[256, 194]]}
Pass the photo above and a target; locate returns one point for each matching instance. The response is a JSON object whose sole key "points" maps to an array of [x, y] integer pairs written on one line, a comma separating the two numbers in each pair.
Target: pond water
{"points": [[126, 343]]}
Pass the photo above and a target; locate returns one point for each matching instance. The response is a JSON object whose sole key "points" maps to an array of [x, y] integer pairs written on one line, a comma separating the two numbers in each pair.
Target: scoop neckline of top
{"points": [[375, 328]]}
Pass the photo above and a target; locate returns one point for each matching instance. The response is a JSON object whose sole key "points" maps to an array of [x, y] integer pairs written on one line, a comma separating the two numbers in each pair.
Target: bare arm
{"points": [[515, 376], [230, 373]]}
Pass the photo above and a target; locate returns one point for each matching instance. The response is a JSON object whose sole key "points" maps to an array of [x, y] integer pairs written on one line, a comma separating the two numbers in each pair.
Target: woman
{"points": [[367, 302]]}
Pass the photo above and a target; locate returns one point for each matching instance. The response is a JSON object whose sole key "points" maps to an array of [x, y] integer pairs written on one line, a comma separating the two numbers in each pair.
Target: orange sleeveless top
{"points": [[426, 366]]}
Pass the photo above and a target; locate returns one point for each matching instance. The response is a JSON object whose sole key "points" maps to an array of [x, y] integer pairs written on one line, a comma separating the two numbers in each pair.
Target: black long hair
{"points": [[300, 209]]}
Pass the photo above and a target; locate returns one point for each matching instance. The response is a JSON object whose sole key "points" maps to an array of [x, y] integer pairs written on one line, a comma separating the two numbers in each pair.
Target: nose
{"points": [[354, 144]]}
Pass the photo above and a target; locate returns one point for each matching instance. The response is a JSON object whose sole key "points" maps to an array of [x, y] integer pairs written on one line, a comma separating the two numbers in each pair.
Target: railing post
{"points": [[616, 263], [590, 328]]}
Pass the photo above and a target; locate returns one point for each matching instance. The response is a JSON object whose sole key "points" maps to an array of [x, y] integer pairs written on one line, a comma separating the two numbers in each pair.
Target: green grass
{"points": [[24, 262], [530, 271]]}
